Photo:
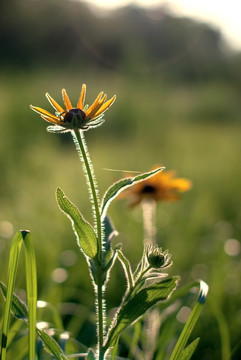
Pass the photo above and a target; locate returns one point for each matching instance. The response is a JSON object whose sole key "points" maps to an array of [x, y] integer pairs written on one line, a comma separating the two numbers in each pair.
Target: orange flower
{"points": [[163, 186], [79, 117]]}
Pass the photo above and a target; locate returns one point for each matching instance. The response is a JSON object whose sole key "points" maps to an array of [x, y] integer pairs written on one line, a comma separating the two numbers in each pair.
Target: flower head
{"points": [[163, 186], [157, 258], [81, 117]]}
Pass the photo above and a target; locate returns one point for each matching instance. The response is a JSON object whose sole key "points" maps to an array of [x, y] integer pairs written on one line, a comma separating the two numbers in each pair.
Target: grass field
{"points": [[194, 129]]}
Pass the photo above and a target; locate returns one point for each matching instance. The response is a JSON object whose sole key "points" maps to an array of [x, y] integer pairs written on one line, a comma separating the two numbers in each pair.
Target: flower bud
{"points": [[157, 258]]}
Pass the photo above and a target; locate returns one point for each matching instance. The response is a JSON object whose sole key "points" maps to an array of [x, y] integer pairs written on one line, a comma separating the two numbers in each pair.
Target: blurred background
{"points": [[176, 72]]}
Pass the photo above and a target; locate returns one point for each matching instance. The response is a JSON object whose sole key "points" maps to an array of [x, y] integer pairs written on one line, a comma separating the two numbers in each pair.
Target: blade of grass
{"points": [[31, 285], [191, 321], [223, 328], [22, 237]]}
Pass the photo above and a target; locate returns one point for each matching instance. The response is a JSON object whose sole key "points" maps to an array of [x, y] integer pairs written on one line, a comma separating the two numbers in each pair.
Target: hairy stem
{"points": [[82, 149], [149, 213]]}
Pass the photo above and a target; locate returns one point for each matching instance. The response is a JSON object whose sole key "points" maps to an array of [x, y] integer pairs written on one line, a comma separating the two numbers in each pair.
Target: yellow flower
{"points": [[163, 186], [79, 117]]}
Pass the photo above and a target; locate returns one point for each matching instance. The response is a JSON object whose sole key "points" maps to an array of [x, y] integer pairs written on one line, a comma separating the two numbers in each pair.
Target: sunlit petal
{"points": [[105, 106], [90, 113], [82, 117], [93, 106], [43, 112], [66, 100], [55, 105], [51, 120], [81, 101]]}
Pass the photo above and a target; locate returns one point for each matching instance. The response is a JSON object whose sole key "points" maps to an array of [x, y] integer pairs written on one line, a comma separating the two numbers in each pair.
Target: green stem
{"points": [[84, 156]]}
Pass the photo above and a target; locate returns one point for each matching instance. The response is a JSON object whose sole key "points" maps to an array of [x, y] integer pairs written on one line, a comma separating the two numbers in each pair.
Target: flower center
{"points": [[148, 189], [75, 115]]}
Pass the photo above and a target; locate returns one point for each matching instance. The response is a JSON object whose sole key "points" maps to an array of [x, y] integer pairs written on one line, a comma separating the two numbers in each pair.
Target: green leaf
{"points": [[86, 237], [189, 350], [109, 232], [127, 269], [51, 345], [138, 305], [18, 307], [121, 185]]}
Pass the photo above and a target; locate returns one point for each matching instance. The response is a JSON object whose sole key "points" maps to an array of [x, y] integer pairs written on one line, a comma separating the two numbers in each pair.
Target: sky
{"points": [[224, 15]]}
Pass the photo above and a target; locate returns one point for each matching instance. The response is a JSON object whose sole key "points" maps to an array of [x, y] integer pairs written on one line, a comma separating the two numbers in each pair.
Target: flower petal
{"points": [[81, 101], [92, 108], [90, 113], [55, 105], [43, 112], [51, 120], [181, 184], [105, 106], [67, 102]]}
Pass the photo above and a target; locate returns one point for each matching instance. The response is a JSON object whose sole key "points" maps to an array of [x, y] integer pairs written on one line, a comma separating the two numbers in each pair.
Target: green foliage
{"points": [[109, 233], [20, 311], [85, 234], [18, 307], [127, 269], [189, 350], [21, 238], [121, 185], [51, 345], [179, 351], [143, 300]]}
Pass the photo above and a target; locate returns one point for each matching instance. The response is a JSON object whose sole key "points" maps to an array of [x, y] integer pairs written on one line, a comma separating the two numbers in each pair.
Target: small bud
{"points": [[157, 258]]}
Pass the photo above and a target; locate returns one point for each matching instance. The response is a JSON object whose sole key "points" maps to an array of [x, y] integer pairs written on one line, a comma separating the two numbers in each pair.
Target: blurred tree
{"points": [[130, 39]]}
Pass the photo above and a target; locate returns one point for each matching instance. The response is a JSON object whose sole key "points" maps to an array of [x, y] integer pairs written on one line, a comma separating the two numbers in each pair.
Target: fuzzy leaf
{"points": [[86, 237], [121, 185], [131, 311], [127, 269], [109, 233]]}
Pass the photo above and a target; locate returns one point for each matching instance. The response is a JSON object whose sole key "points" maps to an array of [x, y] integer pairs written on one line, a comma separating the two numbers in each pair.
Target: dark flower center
{"points": [[148, 189], [78, 114]]}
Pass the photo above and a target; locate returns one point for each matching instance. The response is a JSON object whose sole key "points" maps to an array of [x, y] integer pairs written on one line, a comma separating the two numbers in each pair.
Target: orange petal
{"points": [[95, 103], [105, 106], [43, 112], [67, 102], [81, 101], [56, 106], [53, 121], [90, 113], [181, 184]]}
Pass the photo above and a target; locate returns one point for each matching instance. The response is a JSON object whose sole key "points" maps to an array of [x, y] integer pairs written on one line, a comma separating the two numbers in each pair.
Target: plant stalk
{"points": [[84, 156], [149, 214]]}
